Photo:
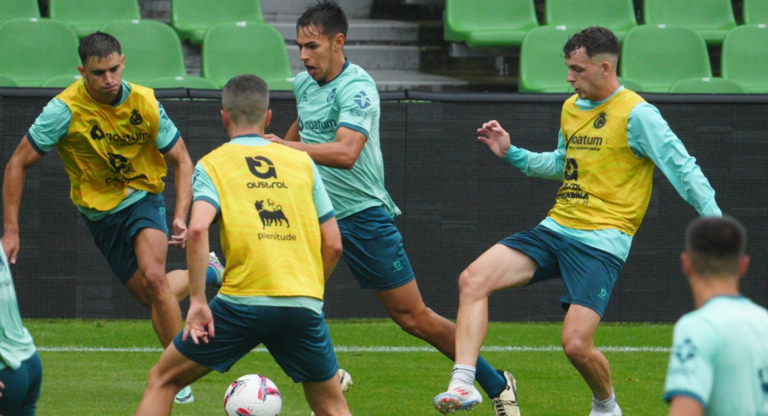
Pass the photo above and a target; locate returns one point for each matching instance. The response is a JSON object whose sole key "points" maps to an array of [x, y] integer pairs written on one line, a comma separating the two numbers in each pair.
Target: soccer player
{"points": [[21, 371], [719, 362], [610, 140], [338, 126], [113, 138], [281, 242]]}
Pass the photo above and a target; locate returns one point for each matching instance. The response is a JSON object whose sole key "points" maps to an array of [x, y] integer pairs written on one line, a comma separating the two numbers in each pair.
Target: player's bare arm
{"points": [[495, 137], [178, 157], [341, 154], [685, 406], [22, 159], [199, 318], [331, 249], [293, 132]]}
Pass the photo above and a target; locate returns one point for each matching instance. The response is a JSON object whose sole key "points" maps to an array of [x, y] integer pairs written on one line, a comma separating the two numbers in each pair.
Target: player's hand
{"points": [[199, 323], [2, 386], [495, 137], [274, 139], [179, 237], [10, 243]]}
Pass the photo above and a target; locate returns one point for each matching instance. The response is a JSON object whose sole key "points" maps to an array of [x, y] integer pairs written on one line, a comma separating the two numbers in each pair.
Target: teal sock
{"points": [[211, 278], [489, 379]]}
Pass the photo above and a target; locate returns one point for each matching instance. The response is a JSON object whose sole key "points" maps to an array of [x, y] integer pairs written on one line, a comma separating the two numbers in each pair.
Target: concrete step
{"points": [[371, 57], [393, 80], [360, 30], [352, 8]]}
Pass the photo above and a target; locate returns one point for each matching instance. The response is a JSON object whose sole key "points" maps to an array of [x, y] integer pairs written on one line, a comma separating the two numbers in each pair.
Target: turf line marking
{"points": [[491, 348]]}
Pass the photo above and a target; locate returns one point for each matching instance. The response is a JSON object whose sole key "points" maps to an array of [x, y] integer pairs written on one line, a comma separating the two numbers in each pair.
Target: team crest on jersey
{"points": [[600, 121], [362, 100], [273, 217], [304, 96], [331, 96], [136, 118]]}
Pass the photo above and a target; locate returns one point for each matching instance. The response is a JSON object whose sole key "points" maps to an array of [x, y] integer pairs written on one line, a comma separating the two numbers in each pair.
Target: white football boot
{"points": [[506, 403], [460, 396]]}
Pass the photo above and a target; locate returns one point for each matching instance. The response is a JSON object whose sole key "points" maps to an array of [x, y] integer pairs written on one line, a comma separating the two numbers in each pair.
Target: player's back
{"points": [[16, 343], [739, 357]]}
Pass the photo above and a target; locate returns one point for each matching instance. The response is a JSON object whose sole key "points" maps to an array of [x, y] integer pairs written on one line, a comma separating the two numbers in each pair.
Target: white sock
{"points": [[463, 373], [607, 405]]}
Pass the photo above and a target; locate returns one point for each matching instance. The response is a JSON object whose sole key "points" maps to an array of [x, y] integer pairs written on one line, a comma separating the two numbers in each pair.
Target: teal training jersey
{"points": [[15, 342], [350, 100], [720, 358]]}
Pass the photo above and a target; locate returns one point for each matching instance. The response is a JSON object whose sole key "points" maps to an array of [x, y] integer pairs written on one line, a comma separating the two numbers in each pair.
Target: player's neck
{"points": [[246, 131], [706, 288], [610, 87], [336, 68]]}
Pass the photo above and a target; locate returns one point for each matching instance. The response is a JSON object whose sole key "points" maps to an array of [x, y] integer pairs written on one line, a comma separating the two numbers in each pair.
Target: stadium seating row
{"points": [[153, 54], [655, 58], [190, 18], [504, 23]]}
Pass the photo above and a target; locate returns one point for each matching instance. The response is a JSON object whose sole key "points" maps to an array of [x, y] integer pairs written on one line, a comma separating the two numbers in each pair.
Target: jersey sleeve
{"points": [[359, 104], [691, 369], [322, 200], [203, 188], [649, 136], [167, 133], [50, 126], [547, 165]]}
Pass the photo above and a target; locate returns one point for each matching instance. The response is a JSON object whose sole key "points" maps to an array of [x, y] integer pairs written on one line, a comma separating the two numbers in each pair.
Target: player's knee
{"points": [[157, 280], [576, 348], [158, 380], [471, 284]]}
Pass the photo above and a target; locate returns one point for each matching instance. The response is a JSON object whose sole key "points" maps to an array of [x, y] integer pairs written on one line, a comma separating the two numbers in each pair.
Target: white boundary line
{"points": [[546, 348]]}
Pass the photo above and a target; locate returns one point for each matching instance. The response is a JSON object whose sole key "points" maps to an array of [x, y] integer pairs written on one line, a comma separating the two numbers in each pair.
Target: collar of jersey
{"points": [[346, 64], [586, 105], [249, 140], [122, 95], [739, 296]]}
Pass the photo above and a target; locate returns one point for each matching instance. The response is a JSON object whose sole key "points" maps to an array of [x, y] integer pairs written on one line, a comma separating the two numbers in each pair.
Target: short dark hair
{"points": [[245, 98], [325, 15], [595, 40], [716, 245], [99, 45]]}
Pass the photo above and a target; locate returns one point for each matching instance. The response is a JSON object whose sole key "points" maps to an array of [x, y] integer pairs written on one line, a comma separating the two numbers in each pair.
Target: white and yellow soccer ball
{"points": [[253, 395]]}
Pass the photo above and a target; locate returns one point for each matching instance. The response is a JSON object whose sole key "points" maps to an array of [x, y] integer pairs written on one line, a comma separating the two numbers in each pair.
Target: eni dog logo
{"points": [[261, 167]]}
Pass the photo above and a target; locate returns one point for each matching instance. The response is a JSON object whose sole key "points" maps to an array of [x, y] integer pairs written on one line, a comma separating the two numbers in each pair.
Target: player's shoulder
{"points": [[301, 81], [355, 74]]}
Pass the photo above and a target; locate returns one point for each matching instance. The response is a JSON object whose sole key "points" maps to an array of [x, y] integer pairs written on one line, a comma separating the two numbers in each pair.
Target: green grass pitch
{"points": [[100, 367]]}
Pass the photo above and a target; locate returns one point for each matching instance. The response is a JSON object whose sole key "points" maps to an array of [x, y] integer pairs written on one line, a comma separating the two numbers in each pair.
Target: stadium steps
{"points": [[390, 50]]}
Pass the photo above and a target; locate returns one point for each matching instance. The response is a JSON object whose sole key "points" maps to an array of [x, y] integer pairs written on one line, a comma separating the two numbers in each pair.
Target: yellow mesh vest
{"points": [[269, 227], [110, 148], [604, 184]]}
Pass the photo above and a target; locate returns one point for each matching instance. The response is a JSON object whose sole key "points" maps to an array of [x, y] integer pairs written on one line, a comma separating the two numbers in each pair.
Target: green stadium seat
{"points": [[745, 57], [617, 15], [152, 49], [7, 82], [542, 66], [191, 18], [712, 19], [489, 23], [235, 48], [630, 84], [656, 57], [707, 86], [182, 82], [755, 12], [40, 49], [86, 16], [61, 81], [16, 9]]}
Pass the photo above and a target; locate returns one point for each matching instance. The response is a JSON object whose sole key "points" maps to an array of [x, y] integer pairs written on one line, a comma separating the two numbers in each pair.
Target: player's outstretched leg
{"points": [[345, 381], [326, 398]]}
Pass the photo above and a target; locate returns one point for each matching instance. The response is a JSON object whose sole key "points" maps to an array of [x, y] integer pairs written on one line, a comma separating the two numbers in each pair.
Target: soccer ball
{"points": [[252, 395]]}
